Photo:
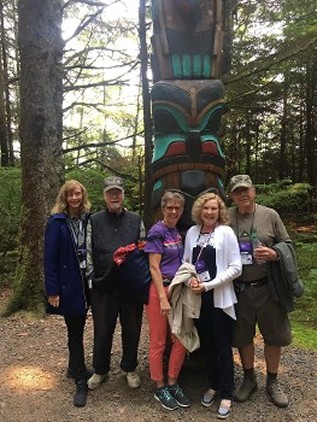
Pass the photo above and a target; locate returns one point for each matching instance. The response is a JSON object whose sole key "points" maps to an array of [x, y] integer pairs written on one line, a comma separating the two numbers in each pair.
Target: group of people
{"points": [[226, 254]]}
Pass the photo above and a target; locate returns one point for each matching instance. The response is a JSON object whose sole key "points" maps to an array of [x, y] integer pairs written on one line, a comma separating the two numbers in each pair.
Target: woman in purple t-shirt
{"points": [[165, 249]]}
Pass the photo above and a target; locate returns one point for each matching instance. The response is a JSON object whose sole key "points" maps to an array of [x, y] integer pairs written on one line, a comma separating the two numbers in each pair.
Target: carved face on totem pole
{"points": [[187, 100]]}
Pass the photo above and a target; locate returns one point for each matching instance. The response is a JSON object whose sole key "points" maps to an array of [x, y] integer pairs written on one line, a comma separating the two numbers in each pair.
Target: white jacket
{"points": [[228, 264], [185, 307]]}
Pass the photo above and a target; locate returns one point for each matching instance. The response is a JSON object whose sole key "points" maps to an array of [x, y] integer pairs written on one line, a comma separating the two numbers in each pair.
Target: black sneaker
{"points": [[179, 396], [165, 398], [80, 396]]}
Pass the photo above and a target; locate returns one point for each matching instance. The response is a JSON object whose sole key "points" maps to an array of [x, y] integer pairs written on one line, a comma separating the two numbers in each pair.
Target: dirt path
{"points": [[34, 388]]}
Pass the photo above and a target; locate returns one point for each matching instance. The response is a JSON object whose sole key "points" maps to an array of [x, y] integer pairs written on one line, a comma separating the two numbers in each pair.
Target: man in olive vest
{"points": [[108, 230]]}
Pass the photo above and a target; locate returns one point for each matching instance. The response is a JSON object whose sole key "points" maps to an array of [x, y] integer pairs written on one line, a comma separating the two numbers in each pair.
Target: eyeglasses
{"points": [[170, 208]]}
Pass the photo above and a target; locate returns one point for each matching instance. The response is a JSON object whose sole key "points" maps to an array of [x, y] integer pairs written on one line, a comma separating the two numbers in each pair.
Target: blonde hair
{"points": [[199, 205], [61, 204]]}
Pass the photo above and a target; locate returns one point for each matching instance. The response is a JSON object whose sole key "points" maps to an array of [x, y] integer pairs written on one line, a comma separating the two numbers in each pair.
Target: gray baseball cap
{"points": [[239, 181], [113, 182]]}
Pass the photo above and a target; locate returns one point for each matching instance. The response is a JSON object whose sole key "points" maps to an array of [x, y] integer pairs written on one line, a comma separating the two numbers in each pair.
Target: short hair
{"points": [[199, 205], [172, 195], [61, 204]]}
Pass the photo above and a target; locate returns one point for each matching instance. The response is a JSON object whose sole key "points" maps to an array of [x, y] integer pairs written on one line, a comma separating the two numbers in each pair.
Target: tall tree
{"points": [[146, 113], [41, 46]]}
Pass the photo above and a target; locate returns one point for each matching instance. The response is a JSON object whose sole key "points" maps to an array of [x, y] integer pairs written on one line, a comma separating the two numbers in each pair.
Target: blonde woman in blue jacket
{"points": [[64, 269], [212, 247]]}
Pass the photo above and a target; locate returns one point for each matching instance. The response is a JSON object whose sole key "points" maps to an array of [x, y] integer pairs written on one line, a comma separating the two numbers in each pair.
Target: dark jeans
{"points": [[75, 332], [105, 309], [215, 330]]}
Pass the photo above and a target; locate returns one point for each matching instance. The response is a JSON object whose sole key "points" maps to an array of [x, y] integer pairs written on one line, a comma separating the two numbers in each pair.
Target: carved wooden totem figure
{"points": [[187, 98]]}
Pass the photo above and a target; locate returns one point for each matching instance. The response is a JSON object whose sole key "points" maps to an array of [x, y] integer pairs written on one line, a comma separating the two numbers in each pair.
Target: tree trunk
{"points": [[146, 115], [283, 137], [310, 132], [41, 47]]}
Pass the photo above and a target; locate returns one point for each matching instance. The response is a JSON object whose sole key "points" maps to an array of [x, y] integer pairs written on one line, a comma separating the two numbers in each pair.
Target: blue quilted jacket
{"points": [[62, 273]]}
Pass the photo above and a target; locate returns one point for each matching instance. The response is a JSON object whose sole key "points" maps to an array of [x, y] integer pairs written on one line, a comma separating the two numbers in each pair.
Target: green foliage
{"points": [[304, 336], [93, 178], [28, 292], [304, 318], [287, 198], [10, 208]]}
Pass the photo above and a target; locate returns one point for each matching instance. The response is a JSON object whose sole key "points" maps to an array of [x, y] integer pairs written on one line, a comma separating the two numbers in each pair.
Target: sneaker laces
{"points": [[276, 387], [177, 390], [166, 394]]}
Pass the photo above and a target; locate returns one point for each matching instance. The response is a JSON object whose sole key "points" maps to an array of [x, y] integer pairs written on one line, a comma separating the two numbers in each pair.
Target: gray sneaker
{"points": [[208, 398], [248, 386], [95, 380], [277, 395]]}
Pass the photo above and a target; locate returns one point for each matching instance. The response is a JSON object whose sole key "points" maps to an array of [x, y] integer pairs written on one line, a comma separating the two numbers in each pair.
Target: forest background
{"points": [[75, 85]]}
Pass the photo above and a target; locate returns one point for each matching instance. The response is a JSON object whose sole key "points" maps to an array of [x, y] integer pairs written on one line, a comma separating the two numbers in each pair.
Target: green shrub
{"points": [[10, 208], [288, 199], [93, 179]]}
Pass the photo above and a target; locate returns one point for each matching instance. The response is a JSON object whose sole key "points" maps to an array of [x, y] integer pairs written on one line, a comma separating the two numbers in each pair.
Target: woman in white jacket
{"points": [[212, 247]]}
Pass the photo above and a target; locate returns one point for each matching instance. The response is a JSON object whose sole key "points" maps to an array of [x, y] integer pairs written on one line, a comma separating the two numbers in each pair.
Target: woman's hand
{"points": [[165, 305], [196, 286], [54, 301]]}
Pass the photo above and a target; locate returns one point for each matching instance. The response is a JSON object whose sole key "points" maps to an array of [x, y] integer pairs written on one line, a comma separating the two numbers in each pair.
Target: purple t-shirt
{"points": [[167, 242]]}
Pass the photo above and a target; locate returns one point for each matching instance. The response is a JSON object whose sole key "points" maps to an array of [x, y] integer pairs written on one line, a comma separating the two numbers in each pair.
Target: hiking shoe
{"points": [[208, 398], [224, 409], [80, 396], [165, 398], [248, 386], [95, 380], [133, 379], [277, 395], [176, 391]]}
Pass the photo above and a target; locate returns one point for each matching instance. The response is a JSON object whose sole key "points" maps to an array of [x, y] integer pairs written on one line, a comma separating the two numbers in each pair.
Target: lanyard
{"points": [[77, 230], [204, 245], [252, 223]]}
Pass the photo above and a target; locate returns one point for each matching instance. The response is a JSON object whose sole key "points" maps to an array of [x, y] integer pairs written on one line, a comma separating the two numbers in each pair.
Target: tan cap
{"points": [[239, 181]]}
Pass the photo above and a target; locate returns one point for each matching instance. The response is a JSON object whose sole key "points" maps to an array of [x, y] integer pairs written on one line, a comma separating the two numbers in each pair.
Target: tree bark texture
{"points": [[147, 119], [41, 47]]}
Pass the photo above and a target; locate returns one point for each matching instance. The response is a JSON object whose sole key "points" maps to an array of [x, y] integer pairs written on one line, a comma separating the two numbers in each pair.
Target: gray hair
{"points": [[172, 195]]}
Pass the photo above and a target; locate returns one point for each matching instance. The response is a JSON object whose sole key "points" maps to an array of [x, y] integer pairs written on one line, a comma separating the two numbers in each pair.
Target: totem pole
{"points": [[187, 99]]}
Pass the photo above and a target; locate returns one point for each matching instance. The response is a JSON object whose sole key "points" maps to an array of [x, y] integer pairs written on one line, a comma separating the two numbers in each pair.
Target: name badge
{"points": [[246, 258], [246, 253], [202, 271]]}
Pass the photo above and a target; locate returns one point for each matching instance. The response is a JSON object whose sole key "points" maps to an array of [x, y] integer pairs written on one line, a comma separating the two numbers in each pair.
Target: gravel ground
{"points": [[34, 388]]}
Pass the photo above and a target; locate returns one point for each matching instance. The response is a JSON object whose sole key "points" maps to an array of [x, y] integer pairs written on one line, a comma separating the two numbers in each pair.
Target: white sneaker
{"points": [[95, 380], [133, 379]]}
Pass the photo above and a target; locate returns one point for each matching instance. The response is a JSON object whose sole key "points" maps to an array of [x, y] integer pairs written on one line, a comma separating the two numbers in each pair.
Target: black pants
{"points": [[105, 309], [215, 330], [75, 333]]}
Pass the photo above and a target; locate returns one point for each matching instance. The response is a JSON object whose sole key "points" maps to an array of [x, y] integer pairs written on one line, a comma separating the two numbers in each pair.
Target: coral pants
{"points": [[159, 329]]}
